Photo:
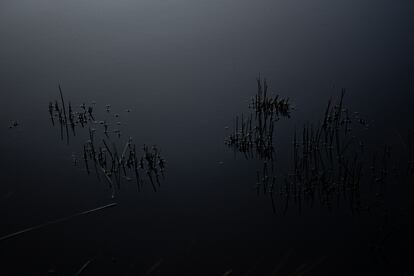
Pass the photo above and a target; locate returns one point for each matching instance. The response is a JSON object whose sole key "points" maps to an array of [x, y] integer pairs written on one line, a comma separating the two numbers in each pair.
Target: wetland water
{"points": [[179, 75]]}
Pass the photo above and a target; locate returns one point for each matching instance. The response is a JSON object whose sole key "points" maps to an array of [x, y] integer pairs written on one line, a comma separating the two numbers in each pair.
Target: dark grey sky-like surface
{"points": [[190, 42]]}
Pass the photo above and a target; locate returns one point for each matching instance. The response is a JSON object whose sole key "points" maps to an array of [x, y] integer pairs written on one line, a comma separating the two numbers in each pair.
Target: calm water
{"points": [[185, 69]]}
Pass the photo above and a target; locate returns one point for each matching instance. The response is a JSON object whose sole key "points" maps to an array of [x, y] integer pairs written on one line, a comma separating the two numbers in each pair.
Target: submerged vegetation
{"points": [[100, 152]]}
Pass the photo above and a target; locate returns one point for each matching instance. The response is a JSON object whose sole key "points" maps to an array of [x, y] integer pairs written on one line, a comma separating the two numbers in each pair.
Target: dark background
{"points": [[185, 69]]}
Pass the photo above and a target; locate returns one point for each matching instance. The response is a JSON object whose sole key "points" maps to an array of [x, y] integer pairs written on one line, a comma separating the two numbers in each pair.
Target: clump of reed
{"points": [[253, 137], [13, 124], [329, 157], [68, 117], [328, 164], [127, 165], [100, 153], [327, 160], [265, 105]]}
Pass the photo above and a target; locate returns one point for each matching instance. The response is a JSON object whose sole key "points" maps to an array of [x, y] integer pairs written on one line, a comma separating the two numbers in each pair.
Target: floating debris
{"points": [[56, 221], [84, 267], [154, 267]]}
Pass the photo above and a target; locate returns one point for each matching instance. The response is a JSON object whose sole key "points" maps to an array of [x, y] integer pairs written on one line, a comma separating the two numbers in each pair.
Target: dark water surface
{"points": [[186, 69]]}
